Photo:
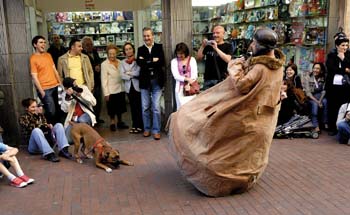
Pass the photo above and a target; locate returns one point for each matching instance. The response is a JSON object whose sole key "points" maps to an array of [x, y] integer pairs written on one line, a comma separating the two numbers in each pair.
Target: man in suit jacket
{"points": [[150, 58]]}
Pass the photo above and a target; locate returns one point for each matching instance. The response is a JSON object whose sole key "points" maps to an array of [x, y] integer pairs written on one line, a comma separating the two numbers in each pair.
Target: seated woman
{"points": [[34, 125], [288, 107], [343, 124], [8, 154], [291, 75], [315, 91], [295, 89]]}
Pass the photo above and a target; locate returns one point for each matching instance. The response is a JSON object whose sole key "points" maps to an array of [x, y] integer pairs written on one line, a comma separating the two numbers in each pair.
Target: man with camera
{"points": [[343, 124], [150, 58], [77, 103], [217, 54]]}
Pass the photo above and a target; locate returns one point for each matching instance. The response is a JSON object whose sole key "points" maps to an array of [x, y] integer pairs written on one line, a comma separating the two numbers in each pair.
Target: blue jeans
{"points": [[314, 112], [209, 83], [85, 118], [343, 132], [150, 97], [50, 102], [39, 144]]}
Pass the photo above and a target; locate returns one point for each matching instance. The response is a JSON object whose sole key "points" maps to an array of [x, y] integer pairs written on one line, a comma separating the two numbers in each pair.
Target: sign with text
{"points": [[89, 4]]}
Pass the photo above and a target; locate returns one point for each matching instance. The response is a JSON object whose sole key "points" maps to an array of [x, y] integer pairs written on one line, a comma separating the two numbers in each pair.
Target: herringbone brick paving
{"points": [[304, 176]]}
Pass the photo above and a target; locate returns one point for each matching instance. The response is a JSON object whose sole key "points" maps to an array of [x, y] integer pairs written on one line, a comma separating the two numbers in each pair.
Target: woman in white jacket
{"points": [[113, 88], [184, 70]]}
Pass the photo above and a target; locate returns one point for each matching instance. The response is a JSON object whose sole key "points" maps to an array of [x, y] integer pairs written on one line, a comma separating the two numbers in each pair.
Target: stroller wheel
{"points": [[315, 135]]}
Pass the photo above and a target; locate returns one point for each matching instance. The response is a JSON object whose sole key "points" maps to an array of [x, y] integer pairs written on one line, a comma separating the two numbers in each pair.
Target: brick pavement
{"points": [[304, 176]]}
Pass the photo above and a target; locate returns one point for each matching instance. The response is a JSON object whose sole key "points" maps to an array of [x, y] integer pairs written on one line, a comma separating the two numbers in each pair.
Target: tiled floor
{"points": [[304, 176]]}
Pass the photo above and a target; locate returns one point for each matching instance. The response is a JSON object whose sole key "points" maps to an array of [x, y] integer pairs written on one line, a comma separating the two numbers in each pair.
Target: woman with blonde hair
{"points": [[113, 87]]}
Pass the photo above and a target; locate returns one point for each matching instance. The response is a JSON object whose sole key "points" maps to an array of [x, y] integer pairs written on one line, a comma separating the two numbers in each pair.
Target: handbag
{"points": [[300, 95], [191, 89]]}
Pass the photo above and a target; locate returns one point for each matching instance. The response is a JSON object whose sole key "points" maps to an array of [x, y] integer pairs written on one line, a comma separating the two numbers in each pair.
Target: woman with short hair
{"points": [[113, 88]]}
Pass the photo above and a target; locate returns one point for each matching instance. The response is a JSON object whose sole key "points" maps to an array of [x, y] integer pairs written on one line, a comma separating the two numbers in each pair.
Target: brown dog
{"points": [[105, 156]]}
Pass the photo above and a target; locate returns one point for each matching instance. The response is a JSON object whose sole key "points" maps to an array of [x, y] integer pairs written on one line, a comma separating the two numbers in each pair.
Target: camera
{"points": [[209, 42], [77, 89]]}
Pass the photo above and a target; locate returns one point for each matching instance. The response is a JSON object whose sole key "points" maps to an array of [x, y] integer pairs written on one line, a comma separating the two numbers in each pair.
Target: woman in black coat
{"points": [[337, 85]]}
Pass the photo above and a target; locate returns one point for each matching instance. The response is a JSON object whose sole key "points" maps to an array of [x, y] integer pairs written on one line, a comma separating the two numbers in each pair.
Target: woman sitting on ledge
{"points": [[34, 125]]}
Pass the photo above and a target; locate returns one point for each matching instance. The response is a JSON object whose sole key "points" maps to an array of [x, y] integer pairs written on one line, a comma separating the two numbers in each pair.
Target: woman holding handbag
{"points": [[185, 72]]}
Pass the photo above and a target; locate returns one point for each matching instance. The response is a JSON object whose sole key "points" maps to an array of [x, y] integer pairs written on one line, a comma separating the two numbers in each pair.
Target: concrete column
{"points": [[15, 81], [347, 18], [177, 27]]}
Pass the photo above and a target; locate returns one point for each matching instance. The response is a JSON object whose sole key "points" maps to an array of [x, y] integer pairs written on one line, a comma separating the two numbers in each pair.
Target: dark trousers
{"points": [[135, 106], [98, 96], [336, 96]]}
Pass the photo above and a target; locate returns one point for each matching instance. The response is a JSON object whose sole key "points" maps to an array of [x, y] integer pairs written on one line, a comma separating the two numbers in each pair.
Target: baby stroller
{"points": [[297, 126]]}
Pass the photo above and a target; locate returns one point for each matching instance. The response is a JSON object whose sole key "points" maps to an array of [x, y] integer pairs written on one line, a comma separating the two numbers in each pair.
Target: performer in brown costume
{"points": [[221, 139]]}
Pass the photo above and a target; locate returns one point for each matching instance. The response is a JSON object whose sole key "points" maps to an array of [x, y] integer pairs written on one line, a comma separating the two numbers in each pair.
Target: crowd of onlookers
{"points": [[72, 84], [323, 93]]}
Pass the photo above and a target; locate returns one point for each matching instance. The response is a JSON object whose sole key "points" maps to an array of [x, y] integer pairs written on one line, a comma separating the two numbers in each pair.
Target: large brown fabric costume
{"points": [[221, 139]]}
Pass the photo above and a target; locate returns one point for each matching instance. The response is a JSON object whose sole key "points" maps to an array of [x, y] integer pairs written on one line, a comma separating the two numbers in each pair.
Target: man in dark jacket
{"points": [[95, 60], [150, 57], [56, 48]]}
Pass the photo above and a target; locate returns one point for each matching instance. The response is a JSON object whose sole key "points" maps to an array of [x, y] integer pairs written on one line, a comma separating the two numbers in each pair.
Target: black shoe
{"points": [[65, 153], [52, 157], [112, 127], [122, 125]]}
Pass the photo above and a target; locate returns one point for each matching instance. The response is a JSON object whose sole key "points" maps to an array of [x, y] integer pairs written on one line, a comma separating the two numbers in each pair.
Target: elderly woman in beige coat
{"points": [[113, 88], [221, 138]]}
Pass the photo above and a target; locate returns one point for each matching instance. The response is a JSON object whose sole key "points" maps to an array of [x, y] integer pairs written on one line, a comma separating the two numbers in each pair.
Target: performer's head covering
{"points": [[265, 41]]}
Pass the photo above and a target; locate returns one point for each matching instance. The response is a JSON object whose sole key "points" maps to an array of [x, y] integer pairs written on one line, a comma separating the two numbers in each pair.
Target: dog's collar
{"points": [[97, 143], [98, 146]]}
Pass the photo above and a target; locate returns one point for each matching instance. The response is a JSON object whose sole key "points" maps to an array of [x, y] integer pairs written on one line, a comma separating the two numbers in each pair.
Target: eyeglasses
{"points": [[184, 69]]}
